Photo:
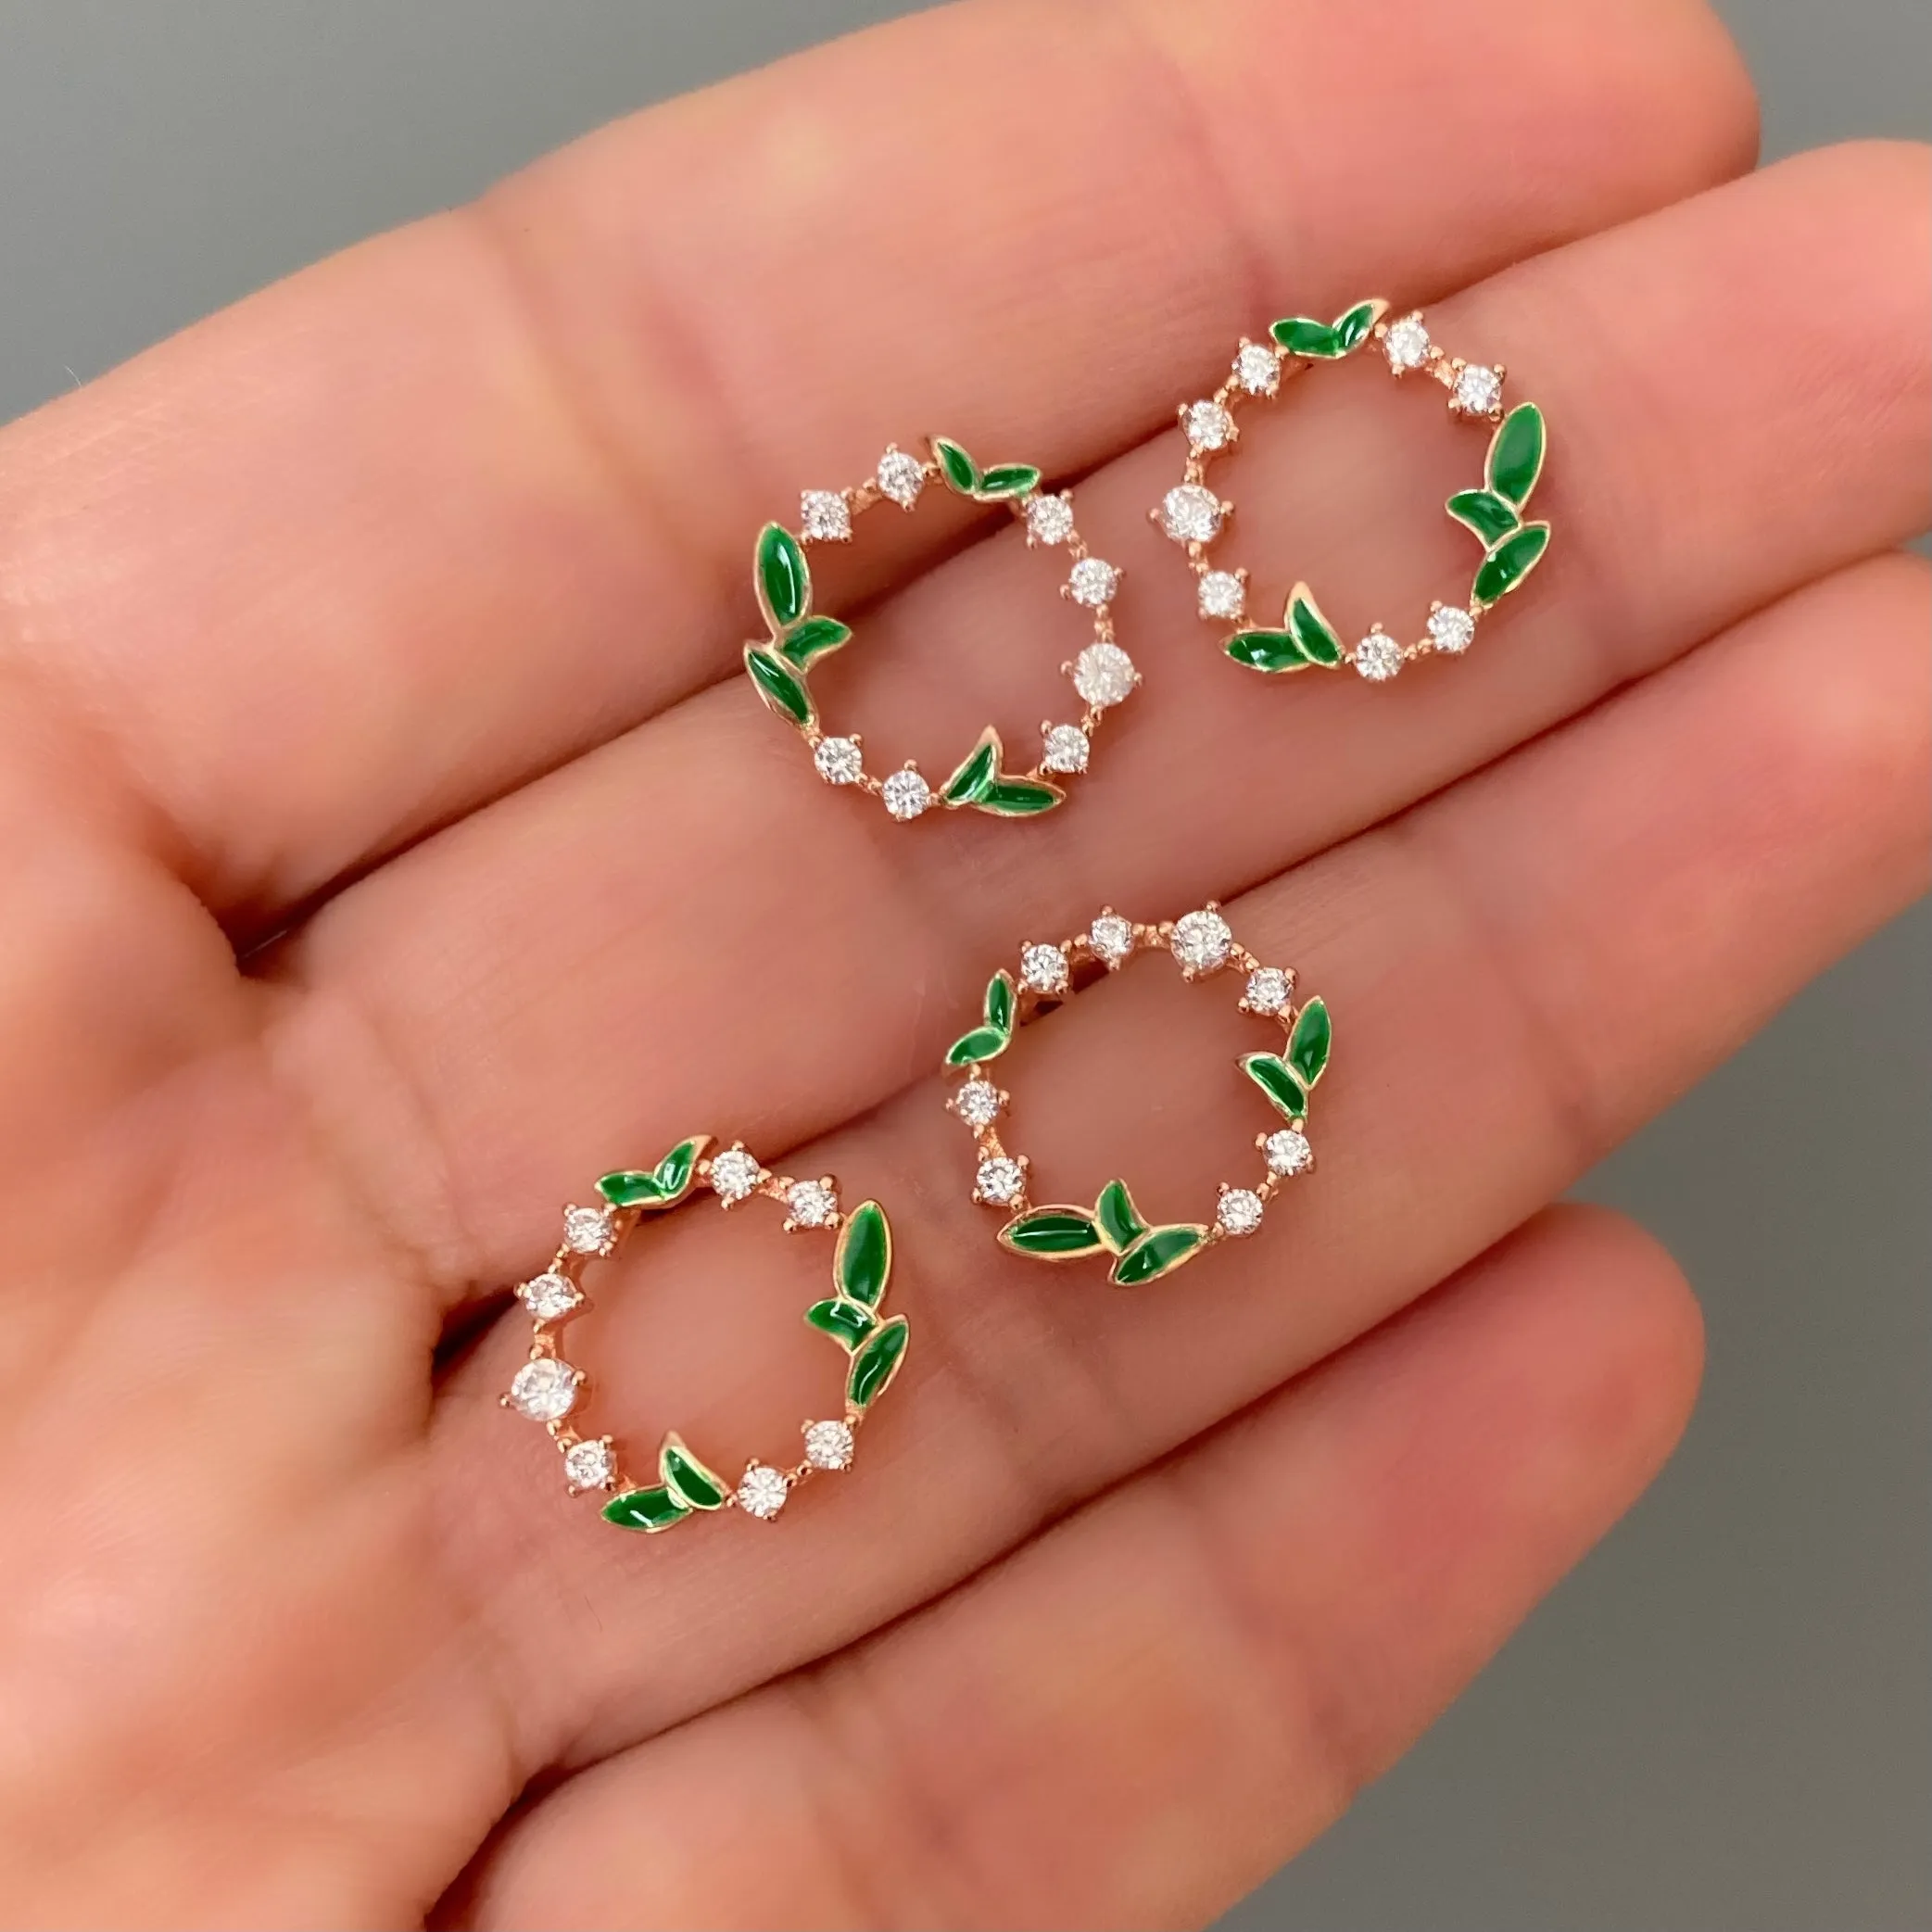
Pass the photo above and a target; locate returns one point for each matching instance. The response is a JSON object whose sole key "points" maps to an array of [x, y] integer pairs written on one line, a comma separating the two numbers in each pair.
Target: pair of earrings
{"points": [[550, 1389]]}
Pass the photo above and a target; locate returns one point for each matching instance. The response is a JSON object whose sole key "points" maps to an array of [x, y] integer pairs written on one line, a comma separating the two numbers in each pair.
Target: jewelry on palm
{"points": [[1114, 1227], [552, 1390], [1194, 517], [781, 664]]}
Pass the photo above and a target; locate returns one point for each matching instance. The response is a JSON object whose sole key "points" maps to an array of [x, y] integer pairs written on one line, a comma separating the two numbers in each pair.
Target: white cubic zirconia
{"points": [[549, 1297], [1288, 1151], [1406, 344], [1111, 938], [544, 1390], [1202, 940], [1050, 520], [1103, 674], [1451, 628], [1257, 369], [1191, 512], [734, 1173], [900, 477], [839, 760], [1378, 657], [761, 1491], [1240, 1211], [587, 1230], [1209, 426], [1093, 582], [977, 1103], [1268, 989], [589, 1465], [1001, 1180], [1223, 594], [811, 1204], [1065, 748], [825, 516], [828, 1444], [1043, 969], [906, 794], [1478, 390]]}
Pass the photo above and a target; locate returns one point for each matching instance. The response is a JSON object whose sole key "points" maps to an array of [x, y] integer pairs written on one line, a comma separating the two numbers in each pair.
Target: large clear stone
{"points": [[544, 1390]]}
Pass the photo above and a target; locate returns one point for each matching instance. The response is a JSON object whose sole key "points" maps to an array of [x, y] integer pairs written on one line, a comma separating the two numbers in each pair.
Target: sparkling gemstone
{"points": [[1050, 519], [1200, 940], [1240, 1211], [1001, 1180], [1066, 749], [1268, 989], [590, 1465], [1103, 674], [549, 1297], [1406, 344], [977, 1103], [1288, 1151], [544, 1390], [828, 1444], [1378, 657], [734, 1173], [1451, 628], [839, 760], [1223, 595], [587, 1230], [1191, 512], [810, 1203], [1209, 426], [900, 477], [1111, 938], [761, 1491], [1257, 369], [907, 794], [1043, 969], [1093, 582], [1478, 390], [827, 517]]}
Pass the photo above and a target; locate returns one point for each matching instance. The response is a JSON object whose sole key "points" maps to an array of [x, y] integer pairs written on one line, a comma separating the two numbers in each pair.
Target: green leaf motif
{"points": [[1276, 1080], [1267, 650], [1061, 1232], [1309, 1042], [982, 1043], [960, 471], [783, 582], [1516, 454], [630, 1189], [1484, 512], [1313, 632], [646, 1510], [1018, 798], [846, 1322], [876, 1364], [999, 1000], [687, 1480], [1511, 561], [1303, 335], [980, 768], [863, 1262], [1158, 1252], [1352, 330], [1005, 480], [1118, 1219], [780, 685], [815, 639], [675, 1171]]}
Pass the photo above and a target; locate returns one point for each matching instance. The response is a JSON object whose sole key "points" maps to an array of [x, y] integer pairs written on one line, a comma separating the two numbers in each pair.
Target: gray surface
{"points": [[1722, 1722]]}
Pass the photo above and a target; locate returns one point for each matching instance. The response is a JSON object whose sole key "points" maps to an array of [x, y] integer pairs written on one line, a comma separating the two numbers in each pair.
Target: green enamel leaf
{"points": [[844, 1322], [1309, 1042], [1317, 639], [1276, 1080], [1158, 1252], [999, 1000], [981, 767], [688, 1479], [631, 1190], [876, 1363], [815, 639], [959, 468], [863, 1262], [1516, 454], [982, 1043], [1511, 561], [1119, 1219], [675, 1171], [1267, 650], [783, 580], [1005, 480], [647, 1510], [1061, 1232], [1303, 335], [1352, 330], [780, 685], [1484, 512], [1018, 798]]}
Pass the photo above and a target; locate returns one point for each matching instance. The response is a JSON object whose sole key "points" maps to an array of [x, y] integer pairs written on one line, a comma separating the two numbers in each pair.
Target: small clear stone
{"points": [[1202, 940], [977, 1103], [1240, 1212], [828, 1444], [1093, 582], [1111, 938], [810, 1203], [826, 517], [907, 794], [1406, 344], [900, 477], [544, 1390], [1257, 369], [1191, 512], [549, 1297], [1223, 595], [839, 760], [1478, 390], [1268, 989], [1451, 628], [590, 1465], [1209, 426], [1001, 1180], [1050, 519], [1066, 749], [587, 1230], [734, 1173], [1103, 674], [1043, 969], [1288, 1151], [1378, 657], [761, 1491]]}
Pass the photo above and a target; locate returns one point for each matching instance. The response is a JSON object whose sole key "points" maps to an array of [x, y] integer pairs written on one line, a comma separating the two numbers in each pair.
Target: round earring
{"points": [[1194, 517], [780, 663], [1138, 1251], [550, 1390]]}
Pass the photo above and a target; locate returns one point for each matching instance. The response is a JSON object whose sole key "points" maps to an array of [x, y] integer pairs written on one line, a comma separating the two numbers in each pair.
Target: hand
{"points": [[393, 846]]}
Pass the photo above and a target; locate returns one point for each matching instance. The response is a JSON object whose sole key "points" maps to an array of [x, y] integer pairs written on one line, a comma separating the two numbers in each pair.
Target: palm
{"points": [[392, 619]]}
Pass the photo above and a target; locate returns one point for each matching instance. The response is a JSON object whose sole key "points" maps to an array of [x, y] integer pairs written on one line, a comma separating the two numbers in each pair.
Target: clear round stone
{"points": [[1223, 594], [1001, 1180], [977, 1103], [1111, 938], [1202, 940], [761, 1491], [1478, 389], [906, 794], [1288, 1151], [1049, 519], [1268, 989], [587, 1230], [811, 1204], [1043, 969], [544, 1390], [549, 1297], [1093, 582], [1191, 512], [825, 515], [734, 1173], [1240, 1211], [830, 1444], [590, 1465], [1451, 628], [1378, 657], [1406, 344], [1257, 369], [1209, 426], [1103, 675], [1066, 749], [839, 760], [900, 477]]}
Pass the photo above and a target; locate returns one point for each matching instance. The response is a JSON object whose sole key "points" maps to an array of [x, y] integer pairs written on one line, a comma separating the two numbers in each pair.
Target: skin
{"points": [[392, 846]]}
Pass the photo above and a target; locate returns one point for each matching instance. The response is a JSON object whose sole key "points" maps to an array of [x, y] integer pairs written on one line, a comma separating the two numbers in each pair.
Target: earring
{"points": [[550, 1390], [1203, 946], [1194, 517], [779, 665]]}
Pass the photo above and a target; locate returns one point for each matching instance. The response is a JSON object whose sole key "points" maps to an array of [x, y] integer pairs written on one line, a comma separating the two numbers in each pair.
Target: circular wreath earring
{"points": [[780, 663], [550, 1390], [1114, 1227], [1194, 517]]}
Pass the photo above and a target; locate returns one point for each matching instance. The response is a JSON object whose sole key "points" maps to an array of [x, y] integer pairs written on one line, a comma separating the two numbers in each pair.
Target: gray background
{"points": [[1721, 1720]]}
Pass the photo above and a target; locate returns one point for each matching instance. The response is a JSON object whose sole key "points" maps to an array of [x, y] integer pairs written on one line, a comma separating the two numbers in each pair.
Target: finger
{"points": [[1521, 971], [392, 538], [522, 926], [1136, 1718]]}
